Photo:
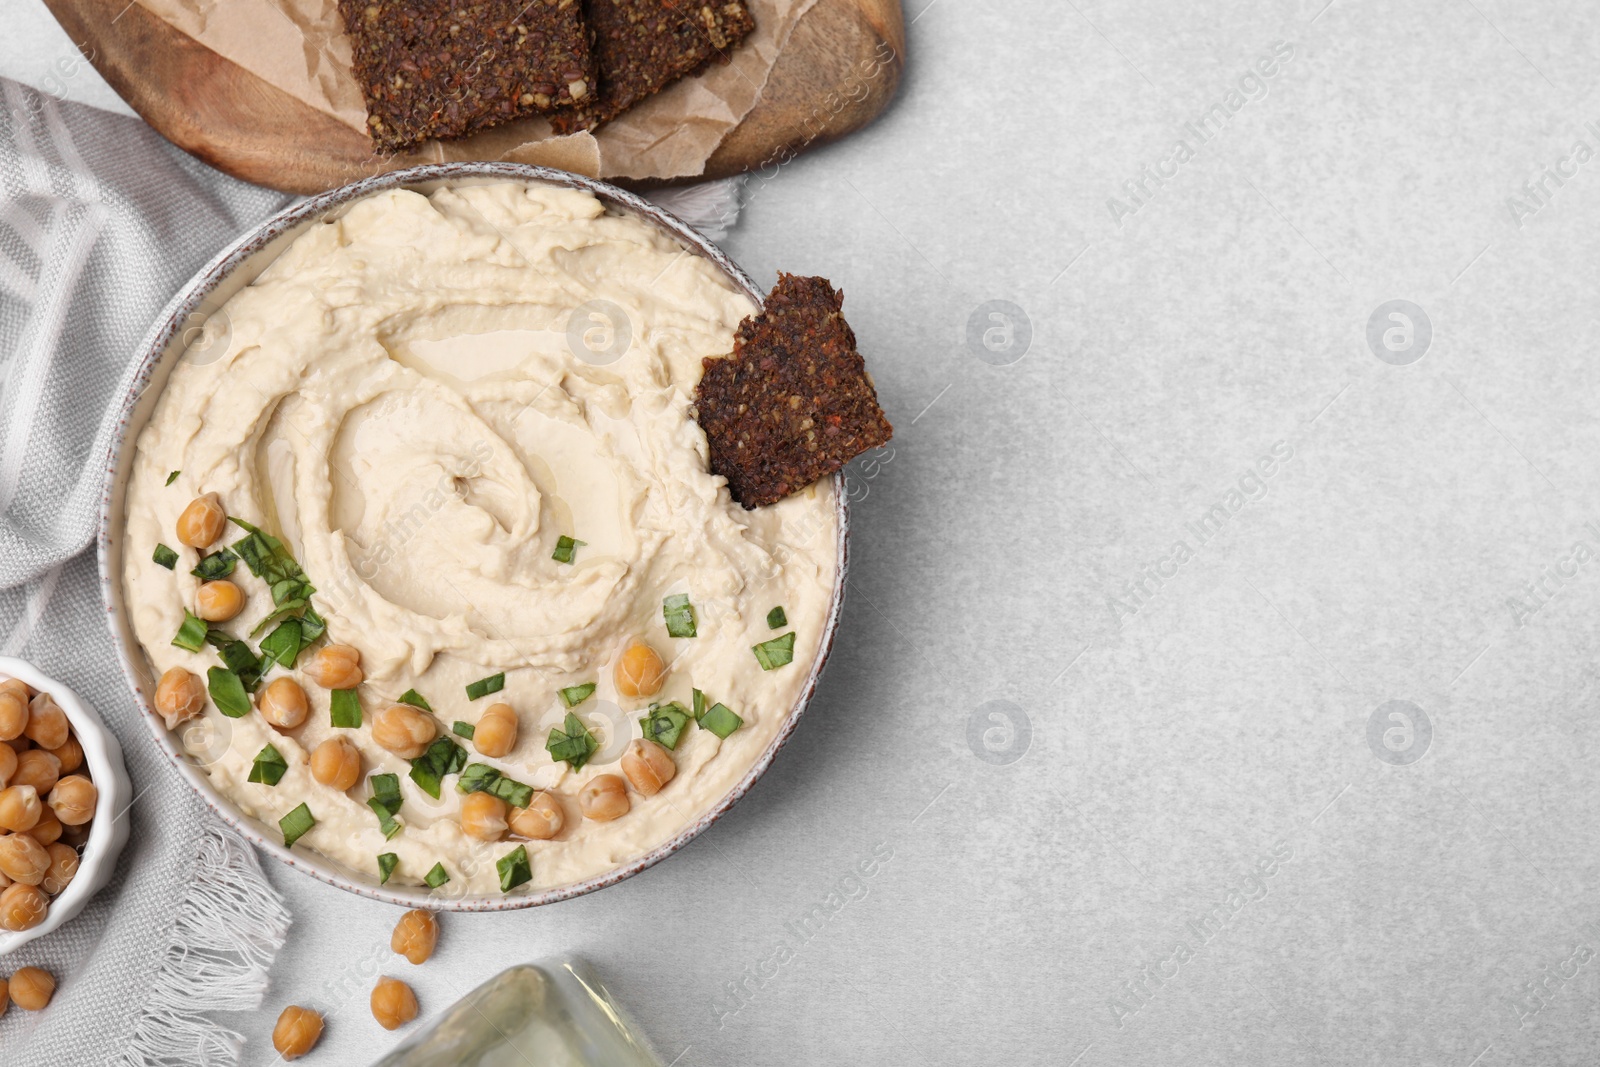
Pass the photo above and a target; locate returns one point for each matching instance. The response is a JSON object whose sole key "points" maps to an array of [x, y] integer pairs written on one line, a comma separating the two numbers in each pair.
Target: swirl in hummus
{"points": [[398, 401]]}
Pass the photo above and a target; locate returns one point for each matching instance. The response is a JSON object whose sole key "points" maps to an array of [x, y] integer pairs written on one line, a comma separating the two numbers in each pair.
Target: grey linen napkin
{"points": [[100, 222]]}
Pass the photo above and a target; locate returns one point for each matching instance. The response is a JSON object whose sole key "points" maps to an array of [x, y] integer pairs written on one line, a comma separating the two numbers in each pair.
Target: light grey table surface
{"points": [[1202, 836]]}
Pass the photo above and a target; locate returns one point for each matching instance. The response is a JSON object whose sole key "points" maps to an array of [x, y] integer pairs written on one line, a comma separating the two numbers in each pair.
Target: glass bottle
{"points": [[551, 1014]]}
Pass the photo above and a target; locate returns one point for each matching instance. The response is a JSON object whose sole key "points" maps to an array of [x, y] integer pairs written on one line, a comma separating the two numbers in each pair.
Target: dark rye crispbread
{"points": [[643, 46], [794, 402], [435, 69]]}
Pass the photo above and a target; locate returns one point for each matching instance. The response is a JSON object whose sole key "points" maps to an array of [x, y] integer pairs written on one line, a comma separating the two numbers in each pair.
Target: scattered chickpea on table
{"points": [[297, 1031], [393, 1003], [29, 988]]}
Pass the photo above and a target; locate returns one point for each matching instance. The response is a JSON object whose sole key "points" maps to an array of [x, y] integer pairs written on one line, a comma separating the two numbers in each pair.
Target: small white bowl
{"points": [[109, 830]]}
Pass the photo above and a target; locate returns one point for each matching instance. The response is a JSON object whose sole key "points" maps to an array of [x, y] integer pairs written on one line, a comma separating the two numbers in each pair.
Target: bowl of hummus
{"points": [[413, 556]]}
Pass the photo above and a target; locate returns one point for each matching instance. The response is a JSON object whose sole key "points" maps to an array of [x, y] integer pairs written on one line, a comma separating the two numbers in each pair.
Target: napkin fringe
{"points": [[230, 925], [710, 207]]}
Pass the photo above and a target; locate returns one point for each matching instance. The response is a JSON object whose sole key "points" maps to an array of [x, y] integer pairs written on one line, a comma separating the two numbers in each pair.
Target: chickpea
{"points": [[70, 755], [20, 808], [648, 766], [5, 996], [496, 732], [22, 907], [483, 816], [76, 836], [415, 935], [180, 696], [17, 687], [18, 745], [540, 820], [639, 671], [393, 1003], [218, 601], [202, 521], [47, 831], [73, 799], [336, 763], [8, 765], [5, 880], [37, 768], [283, 703], [47, 723], [32, 988], [404, 730], [337, 667], [297, 1032], [604, 797], [23, 859], [13, 715], [63, 867]]}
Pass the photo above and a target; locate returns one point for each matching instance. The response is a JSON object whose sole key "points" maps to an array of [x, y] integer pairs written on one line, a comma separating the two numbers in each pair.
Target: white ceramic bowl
{"points": [[236, 267], [109, 830]]}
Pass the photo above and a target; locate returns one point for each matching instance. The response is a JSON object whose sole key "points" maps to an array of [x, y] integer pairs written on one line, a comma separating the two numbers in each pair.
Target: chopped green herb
{"points": [[312, 627], [436, 877], [282, 645], [512, 792], [577, 694], [482, 778], [227, 692], [776, 619], [239, 658], [665, 723], [775, 653], [699, 705], [192, 634], [387, 862], [386, 788], [565, 547], [720, 721], [414, 698], [385, 802], [425, 777], [216, 566], [476, 778], [295, 824], [287, 610], [514, 869], [679, 614], [291, 590], [173, 477], [463, 729], [344, 708], [270, 561], [386, 822], [443, 757], [484, 686], [165, 557], [269, 767], [571, 742]]}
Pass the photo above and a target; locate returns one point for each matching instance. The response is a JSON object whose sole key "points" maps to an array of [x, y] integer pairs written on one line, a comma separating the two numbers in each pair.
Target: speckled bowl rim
{"points": [[108, 832], [164, 341]]}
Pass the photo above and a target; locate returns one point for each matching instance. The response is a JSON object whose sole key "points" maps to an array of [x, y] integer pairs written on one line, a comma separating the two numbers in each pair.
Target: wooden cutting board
{"points": [[238, 123]]}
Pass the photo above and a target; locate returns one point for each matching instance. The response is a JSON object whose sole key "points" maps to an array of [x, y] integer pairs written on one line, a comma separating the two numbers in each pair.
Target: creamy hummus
{"points": [[399, 397]]}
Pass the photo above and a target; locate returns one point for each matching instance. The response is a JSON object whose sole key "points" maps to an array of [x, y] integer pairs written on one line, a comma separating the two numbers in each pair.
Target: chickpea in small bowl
{"points": [[64, 796]]}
